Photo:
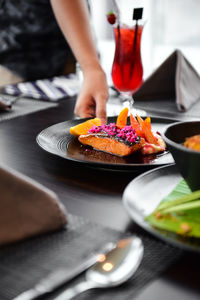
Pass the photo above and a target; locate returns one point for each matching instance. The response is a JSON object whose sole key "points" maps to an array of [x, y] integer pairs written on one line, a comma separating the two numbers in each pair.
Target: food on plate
{"points": [[193, 142], [153, 141], [122, 118], [112, 139], [179, 212], [121, 139], [84, 127]]}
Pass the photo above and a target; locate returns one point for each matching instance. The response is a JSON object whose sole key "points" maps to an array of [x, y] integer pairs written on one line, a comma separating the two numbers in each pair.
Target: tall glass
{"points": [[127, 69]]}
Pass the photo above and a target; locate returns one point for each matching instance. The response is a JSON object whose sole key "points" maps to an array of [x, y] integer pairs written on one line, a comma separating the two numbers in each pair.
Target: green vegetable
{"points": [[183, 199], [179, 212], [181, 207]]}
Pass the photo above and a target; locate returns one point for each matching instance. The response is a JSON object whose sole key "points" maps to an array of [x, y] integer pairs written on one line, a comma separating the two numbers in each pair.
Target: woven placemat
{"points": [[22, 265], [24, 106]]}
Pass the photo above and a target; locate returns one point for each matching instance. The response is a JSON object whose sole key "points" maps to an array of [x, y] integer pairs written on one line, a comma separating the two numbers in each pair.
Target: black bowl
{"points": [[187, 160]]}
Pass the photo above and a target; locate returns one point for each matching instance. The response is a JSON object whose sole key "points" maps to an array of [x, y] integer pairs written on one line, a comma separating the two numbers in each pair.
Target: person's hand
{"points": [[92, 99], [73, 18]]}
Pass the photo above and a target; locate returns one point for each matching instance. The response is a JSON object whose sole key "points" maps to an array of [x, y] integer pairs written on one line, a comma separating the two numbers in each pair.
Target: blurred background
{"points": [[169, 25]]}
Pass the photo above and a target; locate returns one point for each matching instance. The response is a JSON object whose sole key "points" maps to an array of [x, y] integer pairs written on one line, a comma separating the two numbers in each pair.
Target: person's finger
{"points": [[85, 114], [84, 108], [101, 108]]}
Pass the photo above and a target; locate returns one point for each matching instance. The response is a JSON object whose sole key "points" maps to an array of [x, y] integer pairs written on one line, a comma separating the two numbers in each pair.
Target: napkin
{"points": [[27, 208], [175, 79], [51, 89]]}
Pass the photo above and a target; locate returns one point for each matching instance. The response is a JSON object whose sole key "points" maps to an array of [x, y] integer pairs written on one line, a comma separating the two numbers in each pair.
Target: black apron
{"points": [[31, 43]]}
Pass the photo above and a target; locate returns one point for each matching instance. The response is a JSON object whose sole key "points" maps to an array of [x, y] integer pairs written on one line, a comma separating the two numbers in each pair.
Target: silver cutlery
{"points": [[116, 267], [6, 102], [62, 276]]}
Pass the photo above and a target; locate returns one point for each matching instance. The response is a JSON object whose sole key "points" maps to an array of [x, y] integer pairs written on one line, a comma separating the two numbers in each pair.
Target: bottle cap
{"points": [[137, 13]]}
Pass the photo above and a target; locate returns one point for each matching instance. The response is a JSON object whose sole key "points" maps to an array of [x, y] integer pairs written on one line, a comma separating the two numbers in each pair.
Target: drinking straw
{"points": [[118, 16], [137, 15], [116, 9]]}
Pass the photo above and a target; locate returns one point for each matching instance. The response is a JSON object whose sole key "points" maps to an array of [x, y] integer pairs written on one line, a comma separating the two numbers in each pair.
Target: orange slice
{"points": [[149, 136], [84, 127], [122, 118], [136, 126]]}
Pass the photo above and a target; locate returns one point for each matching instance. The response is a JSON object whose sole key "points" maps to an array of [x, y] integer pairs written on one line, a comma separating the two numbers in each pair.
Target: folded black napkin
{"points": [[175, 79], [26, 208]]}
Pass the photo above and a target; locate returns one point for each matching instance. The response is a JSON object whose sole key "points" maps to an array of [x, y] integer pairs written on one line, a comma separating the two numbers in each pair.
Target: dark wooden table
{"points": [[88, 192]]}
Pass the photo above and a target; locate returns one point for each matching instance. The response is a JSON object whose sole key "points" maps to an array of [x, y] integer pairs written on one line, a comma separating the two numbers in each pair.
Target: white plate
{"points": [[145, 192]]}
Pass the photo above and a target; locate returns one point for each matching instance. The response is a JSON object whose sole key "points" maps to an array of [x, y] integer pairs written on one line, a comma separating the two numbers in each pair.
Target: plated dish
{"points": [[142, 196], [182, 139], [57, 140], [121, 138]]}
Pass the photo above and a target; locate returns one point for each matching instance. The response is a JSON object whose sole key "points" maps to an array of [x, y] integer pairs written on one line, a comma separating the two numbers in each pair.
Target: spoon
{"points": [[112, 269]]}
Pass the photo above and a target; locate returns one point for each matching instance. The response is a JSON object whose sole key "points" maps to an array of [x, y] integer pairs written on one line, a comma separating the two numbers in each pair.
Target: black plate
{"points": [[144, 193], [57, 140]]}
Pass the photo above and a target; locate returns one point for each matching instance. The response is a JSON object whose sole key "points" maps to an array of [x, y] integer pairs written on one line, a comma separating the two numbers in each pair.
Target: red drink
{"points": [[127, 70]]}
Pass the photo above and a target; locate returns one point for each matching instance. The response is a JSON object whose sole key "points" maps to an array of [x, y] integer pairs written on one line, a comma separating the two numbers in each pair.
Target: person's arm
{"points": [[73, 19]]}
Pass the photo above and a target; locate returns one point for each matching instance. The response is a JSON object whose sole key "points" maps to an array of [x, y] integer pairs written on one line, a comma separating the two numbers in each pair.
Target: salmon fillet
{"points": [[109, 144]]}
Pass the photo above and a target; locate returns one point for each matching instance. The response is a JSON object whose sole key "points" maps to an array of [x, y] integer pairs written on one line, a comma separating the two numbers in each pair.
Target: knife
{"points": [[62, 276]]}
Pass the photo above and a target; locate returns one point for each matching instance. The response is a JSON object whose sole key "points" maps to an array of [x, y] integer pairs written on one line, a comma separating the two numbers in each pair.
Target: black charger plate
{"points": [[57, 140]]}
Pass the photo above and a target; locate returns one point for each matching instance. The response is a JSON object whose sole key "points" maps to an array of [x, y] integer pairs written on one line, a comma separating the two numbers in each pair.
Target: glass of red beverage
{"points": [[127, 68]]}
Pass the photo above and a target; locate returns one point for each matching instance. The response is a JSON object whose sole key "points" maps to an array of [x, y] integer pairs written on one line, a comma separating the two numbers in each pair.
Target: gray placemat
{"points": [[169, 108], [23, 264], [24, 106]]}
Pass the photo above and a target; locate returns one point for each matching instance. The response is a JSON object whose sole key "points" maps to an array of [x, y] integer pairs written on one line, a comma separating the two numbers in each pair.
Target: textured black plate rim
{"points": [[102, 165], [145, 225]]}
